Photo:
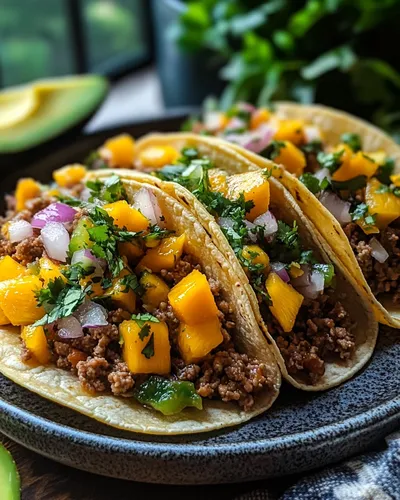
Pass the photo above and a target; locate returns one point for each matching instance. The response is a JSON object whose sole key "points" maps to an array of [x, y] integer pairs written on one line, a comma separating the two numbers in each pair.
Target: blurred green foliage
{"points": [[342, 53]]}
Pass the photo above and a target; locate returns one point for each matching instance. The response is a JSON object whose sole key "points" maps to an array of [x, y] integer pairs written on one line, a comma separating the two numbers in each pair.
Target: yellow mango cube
{"points": [[256, 255], [36, 342], [359, 164], [10, 268], [379, 156], [27, 189], [121, 150], [155, 290], [3, 318], [395, 179], [121, 295], [258, 117], [196, 341], [292, 158], [95, 286], [286, 301], [69, 175], [255, 188], [17, 297], [158, 156], [146, 348], [131, 250], [49, 271], [126, 216], [290, 130], [164, 256], [385, 206], [218, 181], [192, 299]]}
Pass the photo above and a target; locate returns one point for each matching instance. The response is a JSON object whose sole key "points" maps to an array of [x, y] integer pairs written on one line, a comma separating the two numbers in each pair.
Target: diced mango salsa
{"points": [[290, 130], [155, 290], [3, 318], [10, 268], [255, 188], [69, 175], [49, 271], [395, 179], [122, 150], [36, 342], [385, 206], [131, 250], [292, 158], [286, 301], [196, 341], [164, 256], [27, 189], [17, 297], [256, 255], [96, 290], [121, 295], [379, 156], [158, 156], [258, 117], [192, 299], [359, 164], [126, 216], [218, 181], [146, 348]]}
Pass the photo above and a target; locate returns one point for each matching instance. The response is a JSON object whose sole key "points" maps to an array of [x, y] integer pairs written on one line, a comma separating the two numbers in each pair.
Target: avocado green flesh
{"points": [[9, 478], [63, 104]]}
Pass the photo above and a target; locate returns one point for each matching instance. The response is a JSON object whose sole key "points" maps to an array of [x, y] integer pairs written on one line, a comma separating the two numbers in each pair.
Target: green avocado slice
{"points": [[37, 112], [9, 477]]}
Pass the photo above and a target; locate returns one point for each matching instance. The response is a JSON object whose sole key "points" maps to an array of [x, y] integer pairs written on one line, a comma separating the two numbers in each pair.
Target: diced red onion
{"points": [[304, 279], [225, 222], [312, 133], [147, 203], [212, 120], [55, 212], [279, 269], [236, 123], [87, 259], [19, 230], [56, 240], [251, 235], [268, 222], [91, 315], [245, 106], [85, 194], [315, 287], [338, 208], [322, 174], [69, 328], [378, 251]]}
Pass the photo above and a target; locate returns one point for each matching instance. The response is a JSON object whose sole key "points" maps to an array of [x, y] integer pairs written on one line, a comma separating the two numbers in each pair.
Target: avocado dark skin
{"points": [[9, 478]]}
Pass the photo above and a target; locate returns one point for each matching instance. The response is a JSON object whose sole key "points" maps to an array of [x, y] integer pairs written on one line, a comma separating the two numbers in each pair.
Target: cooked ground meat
{"points": [[118, 316], [183, 267], [322, 328], [121, 379], [93, 374], [381, 277], [25, 252]]}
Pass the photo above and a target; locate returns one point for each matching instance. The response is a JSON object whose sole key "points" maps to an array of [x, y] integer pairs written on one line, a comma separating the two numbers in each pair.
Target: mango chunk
{"points": [[158, 156], [258, 117], [292, 158], [146, 348], [218, 181], [10, 269], [164, 256], [256, 255], [3, 318], [196, 341], [385, 206], [255, 187], [96, 290], [379, 156], [155, 290], [121, 150], [17, 297], [359, 164], [69, 175], [36, 342], [121, 295], [49, 271], [290, 130], [286, 301], [131, 250], [126, 216], [27, 189], [395, 179], [192, 299]]}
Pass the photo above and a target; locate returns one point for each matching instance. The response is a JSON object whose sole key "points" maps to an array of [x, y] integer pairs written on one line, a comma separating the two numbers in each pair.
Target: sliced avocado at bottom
{"points": [[62, 103], [9, 477]]}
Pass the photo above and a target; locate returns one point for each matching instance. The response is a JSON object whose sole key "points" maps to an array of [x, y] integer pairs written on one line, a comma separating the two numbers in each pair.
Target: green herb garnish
{"points": [[148, 349], [352, 140]]}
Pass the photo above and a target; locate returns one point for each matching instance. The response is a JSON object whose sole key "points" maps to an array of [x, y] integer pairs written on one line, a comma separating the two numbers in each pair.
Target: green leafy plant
{"points": [[339, 52]]}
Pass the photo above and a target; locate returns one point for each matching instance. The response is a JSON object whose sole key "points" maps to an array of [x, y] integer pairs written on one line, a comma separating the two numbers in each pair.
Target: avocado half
{"points": [[9, 478], [35, 113]]}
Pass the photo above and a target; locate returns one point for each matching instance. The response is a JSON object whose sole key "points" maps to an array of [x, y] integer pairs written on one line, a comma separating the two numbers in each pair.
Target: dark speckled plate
{"points": [[302, 430]]}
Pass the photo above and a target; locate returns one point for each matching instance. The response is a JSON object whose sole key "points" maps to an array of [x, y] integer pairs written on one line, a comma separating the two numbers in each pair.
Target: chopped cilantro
{"points": [[352, 140], [148, 349], [385, 171], [331, 161], [130, 282], [75, 272], [313, 147], [237, 112], [327, 270], [273, 150], [383, 188], [110, 190], [157, 233], [362, 212], [141, 318], [48, 296], [353, 184], [311, 182], [307, 257], [94, 160], [144, 332], [170, 172]]}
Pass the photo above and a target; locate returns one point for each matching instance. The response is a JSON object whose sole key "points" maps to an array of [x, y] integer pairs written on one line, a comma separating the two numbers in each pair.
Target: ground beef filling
{"points": [[385, 277], [322, 329]]}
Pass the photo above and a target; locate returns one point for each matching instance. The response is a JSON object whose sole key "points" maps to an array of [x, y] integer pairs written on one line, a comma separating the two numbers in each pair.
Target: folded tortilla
{"points": [[225, 158], [64, 388]]}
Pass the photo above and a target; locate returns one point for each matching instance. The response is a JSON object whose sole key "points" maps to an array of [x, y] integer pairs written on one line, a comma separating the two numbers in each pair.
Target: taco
{"points": [[298, 290], [349, 184], [123, 309]]}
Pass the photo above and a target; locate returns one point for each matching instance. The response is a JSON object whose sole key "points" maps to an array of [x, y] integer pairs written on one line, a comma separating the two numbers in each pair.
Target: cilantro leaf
{"points": [[131, 282], [311, 182], [385, 171], [144, 332], [157, 233], [331, 161], [313, 147], [360, 212], [273, 150], [352, 140], [141, 318], [148, 349], [307, 257], [353, 184], [111, 190]]}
